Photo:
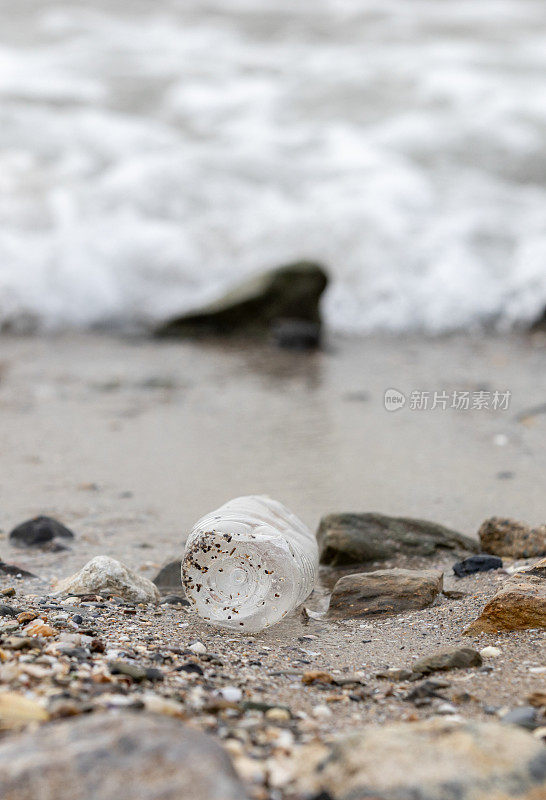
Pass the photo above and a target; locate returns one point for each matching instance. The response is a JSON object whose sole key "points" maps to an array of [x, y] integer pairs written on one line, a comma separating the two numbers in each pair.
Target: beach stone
{"points": [[506, 537], [459, 658], [479, 563], [439, 759], [394, 674], [520, 603], [39, 531], [291, 292], [126, 756], [346, 539], [524, 716], [168, 580], [105, 574], [385, 591]]}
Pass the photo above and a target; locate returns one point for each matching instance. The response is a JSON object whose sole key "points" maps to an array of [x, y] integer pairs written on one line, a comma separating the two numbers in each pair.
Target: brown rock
{"points": [[123, 756], [506, 537], [460, 658], [519, 604], [316, 676], [16, 711], [432, 760], [386, 591]]}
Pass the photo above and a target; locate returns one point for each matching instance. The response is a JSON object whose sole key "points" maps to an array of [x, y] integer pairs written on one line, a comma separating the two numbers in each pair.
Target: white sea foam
{"points": [[153, 151]]}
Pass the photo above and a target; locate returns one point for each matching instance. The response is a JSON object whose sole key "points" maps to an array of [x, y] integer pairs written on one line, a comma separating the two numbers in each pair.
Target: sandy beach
{"points": [[129, 441]]}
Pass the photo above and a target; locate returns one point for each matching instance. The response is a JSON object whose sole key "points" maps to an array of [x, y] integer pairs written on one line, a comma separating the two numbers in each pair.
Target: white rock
{"points": [[321, 712], [198, 647], [103, 573], [446, 708], [230, 693], [490, 652]]}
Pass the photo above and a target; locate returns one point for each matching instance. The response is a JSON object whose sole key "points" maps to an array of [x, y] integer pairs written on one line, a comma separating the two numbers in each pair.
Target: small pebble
{"points": [[490, 652], [198, 647]]}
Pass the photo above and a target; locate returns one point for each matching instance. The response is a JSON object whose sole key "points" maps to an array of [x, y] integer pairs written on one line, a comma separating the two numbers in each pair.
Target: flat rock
{"points": [[520, 603], [480, 563], [506, 537], [254, 306], [123, 756], [105, 574], [38, 532], [385, 591], [356, 538], [431, 760], [459, 658]]}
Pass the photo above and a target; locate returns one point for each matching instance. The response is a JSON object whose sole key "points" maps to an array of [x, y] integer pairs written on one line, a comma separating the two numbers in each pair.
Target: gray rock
{"points": [[123, 756], [291, 292], [105, 574], [524, 716], [168, 580], [394, 674], [386, 591], [356, 538], [460, 658], [432, 760]]}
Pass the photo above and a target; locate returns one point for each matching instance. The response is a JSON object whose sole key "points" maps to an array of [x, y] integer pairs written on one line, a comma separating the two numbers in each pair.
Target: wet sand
{"points": [[129, 442]]}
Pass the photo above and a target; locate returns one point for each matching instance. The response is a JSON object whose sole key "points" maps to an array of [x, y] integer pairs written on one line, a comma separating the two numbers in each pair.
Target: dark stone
{"points": [[7, 611], [356, 538], [122, 755], [190, 667], [11, 569], [459, 658], [291, 292], [479, 563], [427, 690], [295, 334], [168, 580], [38, 531]]}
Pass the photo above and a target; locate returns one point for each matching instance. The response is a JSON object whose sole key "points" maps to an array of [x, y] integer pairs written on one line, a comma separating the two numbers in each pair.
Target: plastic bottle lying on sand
{"points": [[248, 564]]}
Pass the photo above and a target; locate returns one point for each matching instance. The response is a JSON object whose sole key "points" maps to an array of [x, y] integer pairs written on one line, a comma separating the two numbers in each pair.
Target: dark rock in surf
{"points": [[254, 306]]}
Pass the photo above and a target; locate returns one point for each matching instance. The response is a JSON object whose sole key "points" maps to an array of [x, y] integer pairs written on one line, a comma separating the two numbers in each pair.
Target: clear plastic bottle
{"points": [[249, 563]]}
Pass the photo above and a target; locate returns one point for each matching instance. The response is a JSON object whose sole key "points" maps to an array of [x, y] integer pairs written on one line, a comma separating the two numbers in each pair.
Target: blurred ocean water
{"points": [[153, 151]]}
